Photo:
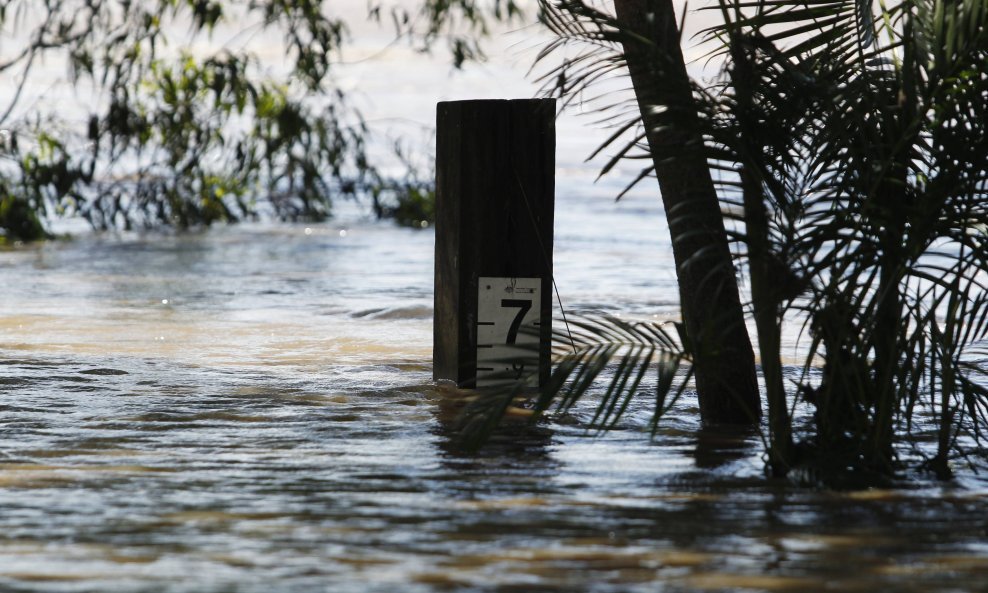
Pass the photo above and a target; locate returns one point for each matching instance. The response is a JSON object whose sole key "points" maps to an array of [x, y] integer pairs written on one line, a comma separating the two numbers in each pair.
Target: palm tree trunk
{"points": [[767, 287], [724, 361], [892, 201], [888, 317]]}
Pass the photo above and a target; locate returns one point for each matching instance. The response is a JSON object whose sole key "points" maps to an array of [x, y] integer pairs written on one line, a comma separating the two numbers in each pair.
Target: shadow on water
{"points": [[516, 448], [720, 445]]}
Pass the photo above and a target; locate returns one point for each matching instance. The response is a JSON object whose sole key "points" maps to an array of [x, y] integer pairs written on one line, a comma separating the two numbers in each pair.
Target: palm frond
{"points": [[619, 354], [607, 359]]}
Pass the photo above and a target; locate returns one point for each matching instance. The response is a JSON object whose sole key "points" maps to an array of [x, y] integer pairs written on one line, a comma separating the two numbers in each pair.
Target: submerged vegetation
{"points": [[188, 138], [851, 162]]}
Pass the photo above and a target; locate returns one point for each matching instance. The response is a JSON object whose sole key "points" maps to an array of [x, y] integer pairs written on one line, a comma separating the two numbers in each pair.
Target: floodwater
{"points": [[251, 409]]}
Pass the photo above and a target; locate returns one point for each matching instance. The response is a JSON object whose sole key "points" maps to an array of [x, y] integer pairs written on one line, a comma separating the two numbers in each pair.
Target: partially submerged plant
{"points": [[852, 158], [857, 177]]}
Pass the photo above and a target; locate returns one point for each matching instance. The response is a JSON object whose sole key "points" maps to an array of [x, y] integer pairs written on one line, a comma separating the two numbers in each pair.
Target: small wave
{"points": [[411, 312], [104, 372]]}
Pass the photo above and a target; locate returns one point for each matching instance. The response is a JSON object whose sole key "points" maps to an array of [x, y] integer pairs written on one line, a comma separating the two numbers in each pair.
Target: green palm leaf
{"points": [[614, 352]]}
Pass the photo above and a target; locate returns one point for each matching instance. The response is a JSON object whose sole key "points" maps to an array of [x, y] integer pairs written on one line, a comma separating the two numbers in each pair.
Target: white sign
{"points": [[508, 331]]}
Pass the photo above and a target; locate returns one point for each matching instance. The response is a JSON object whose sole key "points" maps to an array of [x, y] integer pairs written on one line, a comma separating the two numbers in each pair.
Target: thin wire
{"points": [[545, 256]]}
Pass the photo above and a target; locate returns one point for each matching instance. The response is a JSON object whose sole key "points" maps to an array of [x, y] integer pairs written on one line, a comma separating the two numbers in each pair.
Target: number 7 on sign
{"points": [[523, 307], [507, 331]]}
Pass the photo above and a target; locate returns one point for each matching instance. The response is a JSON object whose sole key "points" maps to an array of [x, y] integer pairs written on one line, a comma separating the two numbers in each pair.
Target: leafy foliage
{"points": [[189, 138], [411, 200]]}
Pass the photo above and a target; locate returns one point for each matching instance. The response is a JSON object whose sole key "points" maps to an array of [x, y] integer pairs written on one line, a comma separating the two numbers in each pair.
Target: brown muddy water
{"points": [[250, 409]]}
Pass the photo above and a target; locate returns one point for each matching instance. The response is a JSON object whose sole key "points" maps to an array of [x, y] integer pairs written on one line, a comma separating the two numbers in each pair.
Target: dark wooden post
{"points": [[495, 164]]}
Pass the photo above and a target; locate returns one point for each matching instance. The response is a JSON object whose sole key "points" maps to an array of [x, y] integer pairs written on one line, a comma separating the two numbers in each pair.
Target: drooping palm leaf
{"points": [[633, 359], [635, 347]]}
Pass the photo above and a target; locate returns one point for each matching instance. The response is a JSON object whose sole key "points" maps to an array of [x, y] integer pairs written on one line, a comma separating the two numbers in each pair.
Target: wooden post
{"points": [[495, 163]]}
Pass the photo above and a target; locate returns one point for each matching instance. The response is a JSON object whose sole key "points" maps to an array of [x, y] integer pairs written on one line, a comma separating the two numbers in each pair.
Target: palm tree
{"points": [[852, 162], [643, 40]]}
